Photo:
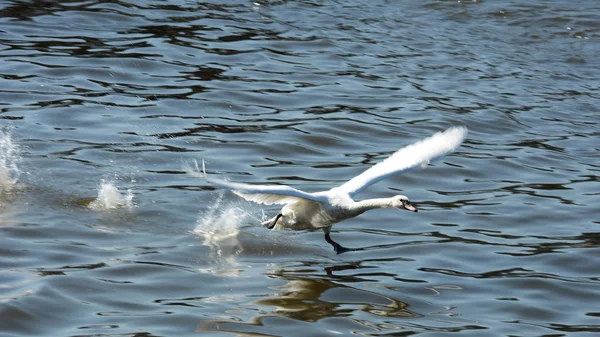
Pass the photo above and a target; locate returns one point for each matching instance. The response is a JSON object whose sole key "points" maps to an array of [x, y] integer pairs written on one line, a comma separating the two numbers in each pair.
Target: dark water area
{"points": [[103, 105]]}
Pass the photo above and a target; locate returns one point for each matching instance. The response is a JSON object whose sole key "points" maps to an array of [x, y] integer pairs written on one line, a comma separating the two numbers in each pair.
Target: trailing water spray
{"points": [[9, 158]]}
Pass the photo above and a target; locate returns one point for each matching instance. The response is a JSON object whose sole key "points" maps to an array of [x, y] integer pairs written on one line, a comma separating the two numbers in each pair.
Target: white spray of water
{"points": [[109, 197], [219, 227], [9, 157]]}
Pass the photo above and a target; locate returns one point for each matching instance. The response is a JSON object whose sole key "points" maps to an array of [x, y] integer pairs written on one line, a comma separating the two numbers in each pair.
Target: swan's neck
{"points": [[365, 205]]}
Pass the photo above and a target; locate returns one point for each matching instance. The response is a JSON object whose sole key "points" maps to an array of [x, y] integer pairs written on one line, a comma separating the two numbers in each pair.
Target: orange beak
{"points": [[409, 207]]}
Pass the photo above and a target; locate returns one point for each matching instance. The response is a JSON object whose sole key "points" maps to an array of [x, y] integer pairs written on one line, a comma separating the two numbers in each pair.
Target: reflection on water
{"points": [[315, 299], [336, 308]]}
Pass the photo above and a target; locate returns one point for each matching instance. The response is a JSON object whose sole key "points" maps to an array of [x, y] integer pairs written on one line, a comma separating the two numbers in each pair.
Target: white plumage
{"points": [[320, 210]]}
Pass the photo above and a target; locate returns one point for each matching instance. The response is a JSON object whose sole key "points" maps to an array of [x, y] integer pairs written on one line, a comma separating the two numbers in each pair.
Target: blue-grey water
{"points": [[103, 105]]}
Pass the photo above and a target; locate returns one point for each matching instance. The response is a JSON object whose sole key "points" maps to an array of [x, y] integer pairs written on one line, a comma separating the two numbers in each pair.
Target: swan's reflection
{"points": [[309, 298]]}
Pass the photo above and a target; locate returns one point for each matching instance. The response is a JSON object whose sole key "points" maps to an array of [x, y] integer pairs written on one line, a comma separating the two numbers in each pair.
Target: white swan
{"points": [[320, 210]]}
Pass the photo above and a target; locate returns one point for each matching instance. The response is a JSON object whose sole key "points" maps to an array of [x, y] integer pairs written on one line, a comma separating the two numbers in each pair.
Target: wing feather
{"points": [[262, 194], [411, 156]]}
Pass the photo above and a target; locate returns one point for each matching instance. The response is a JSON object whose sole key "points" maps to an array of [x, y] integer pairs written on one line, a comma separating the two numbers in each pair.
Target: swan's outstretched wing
{"points": [[417, 154], [262, 194], [265, 194]]}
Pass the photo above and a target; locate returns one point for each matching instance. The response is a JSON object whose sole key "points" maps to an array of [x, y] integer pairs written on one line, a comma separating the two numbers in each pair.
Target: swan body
{"points": [[320, 210]]}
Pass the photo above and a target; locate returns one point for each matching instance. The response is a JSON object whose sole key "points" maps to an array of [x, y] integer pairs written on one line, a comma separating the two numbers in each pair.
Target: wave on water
{"points": [[109, 197], [9, 157]]}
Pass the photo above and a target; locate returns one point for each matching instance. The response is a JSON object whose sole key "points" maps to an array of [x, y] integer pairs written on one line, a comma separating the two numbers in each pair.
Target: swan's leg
{"points": [[339, 249], [271, 223], [267, 223]]}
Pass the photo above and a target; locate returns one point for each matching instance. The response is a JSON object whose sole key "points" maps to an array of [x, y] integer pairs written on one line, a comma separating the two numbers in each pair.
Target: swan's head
{"points": [[402, 202]]}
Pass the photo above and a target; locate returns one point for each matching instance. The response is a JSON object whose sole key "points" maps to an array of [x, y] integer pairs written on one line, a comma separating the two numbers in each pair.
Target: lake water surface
{"points": [[103, 105]]}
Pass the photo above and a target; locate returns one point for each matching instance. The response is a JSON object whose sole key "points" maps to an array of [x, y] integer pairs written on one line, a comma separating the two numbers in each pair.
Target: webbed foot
{"points": [[337, 248]]}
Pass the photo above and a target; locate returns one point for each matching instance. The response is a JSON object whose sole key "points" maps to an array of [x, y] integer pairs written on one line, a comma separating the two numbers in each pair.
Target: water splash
{"points": [[223, 218], [9, 157], [109, 197], [193, 169], [219, 228]]}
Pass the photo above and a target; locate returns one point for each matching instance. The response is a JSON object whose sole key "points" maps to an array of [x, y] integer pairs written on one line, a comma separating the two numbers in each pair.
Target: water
{"points": [[103, 105], [9, 157], [109, 197]]}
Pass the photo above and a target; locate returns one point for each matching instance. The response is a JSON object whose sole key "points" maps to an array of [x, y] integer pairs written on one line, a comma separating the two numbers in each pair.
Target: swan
{"points": [[321, 210]]}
